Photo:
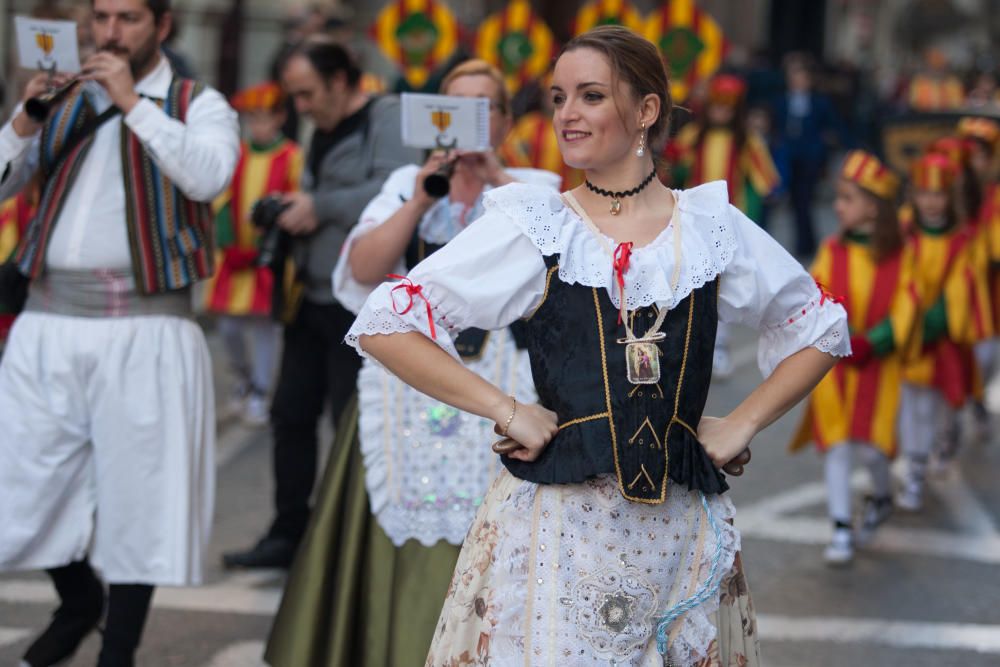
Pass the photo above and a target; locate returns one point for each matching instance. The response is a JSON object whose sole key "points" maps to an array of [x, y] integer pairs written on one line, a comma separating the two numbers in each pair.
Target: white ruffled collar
{"points": [[708, 243]]}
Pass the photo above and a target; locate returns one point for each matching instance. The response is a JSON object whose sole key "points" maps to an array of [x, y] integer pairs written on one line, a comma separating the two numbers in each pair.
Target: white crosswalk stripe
{"points": [[241, 654], [898, 634], [255, 593]]}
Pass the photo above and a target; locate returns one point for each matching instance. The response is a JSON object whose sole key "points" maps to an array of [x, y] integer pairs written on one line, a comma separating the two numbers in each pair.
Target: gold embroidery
{"points": [[680, 384], [545, 294], [638, 478], [582, 420], [683, 423], [607, 391], [647, 424]]}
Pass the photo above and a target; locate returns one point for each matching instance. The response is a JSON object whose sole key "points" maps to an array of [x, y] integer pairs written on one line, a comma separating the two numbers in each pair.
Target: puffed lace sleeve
{"points": [[487, 277], [766, 289], [395, 191]]}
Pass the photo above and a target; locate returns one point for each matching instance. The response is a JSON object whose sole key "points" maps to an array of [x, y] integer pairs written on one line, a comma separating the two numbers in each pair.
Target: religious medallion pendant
{"points": [[642, 359]]}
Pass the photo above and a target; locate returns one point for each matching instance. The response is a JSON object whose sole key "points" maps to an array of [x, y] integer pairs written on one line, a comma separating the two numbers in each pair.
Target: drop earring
{"points": [[641, 150]]}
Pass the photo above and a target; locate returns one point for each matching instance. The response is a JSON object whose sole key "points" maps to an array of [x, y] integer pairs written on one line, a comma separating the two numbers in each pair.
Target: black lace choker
{"points": [[616, 197]]}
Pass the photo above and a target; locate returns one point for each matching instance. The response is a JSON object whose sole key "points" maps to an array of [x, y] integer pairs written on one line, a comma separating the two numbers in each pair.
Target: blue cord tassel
{"points": [[707, 589]]}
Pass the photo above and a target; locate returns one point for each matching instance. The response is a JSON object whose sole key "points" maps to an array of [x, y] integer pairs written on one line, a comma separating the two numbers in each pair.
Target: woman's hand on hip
{"points": [[727, 442], [533, 427]]}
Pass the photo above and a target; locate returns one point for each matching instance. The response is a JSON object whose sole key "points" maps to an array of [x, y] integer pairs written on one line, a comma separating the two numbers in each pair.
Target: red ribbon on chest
{"points": [[622, 257]]}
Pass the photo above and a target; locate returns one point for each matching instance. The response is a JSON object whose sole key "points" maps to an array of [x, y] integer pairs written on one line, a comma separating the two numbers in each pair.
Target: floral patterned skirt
{"points": [[575, 575]]}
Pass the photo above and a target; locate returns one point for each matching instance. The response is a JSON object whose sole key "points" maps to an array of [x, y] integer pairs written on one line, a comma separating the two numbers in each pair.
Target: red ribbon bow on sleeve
{"points": [[827, 294], [623, 253], [412, 290]]}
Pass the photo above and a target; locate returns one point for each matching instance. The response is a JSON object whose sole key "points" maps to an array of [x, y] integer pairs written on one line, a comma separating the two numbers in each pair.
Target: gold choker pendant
{"points": [[616, 197]]}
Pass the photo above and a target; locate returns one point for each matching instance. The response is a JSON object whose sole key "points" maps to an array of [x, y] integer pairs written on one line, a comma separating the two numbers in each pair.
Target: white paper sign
{"points": [[44, 44], [441, 121]]}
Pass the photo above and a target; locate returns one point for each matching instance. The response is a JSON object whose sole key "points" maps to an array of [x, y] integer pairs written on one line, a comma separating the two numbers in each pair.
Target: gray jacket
{"points": [[350, 175]]}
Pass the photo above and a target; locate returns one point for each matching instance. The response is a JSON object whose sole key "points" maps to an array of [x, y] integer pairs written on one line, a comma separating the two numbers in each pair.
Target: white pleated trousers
{"points": [[107, 437]]}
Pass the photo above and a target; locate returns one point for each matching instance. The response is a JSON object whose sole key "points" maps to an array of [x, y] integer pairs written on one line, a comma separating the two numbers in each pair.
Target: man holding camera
{"points": [[106, 400], [357, 144]]}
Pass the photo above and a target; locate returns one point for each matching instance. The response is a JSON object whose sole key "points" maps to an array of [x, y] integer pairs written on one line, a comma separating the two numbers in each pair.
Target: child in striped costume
{"points": [[720, 146], [956, 311], [854, 408], [240, 292]]}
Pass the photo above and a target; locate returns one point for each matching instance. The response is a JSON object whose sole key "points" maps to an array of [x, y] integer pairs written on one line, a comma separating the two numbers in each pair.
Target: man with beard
{"points": [[106, 450]]}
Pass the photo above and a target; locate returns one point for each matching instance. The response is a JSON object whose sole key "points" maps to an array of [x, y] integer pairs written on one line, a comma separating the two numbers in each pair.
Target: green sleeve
{"points": [[936, 322], [882, 339], [224, 233]]}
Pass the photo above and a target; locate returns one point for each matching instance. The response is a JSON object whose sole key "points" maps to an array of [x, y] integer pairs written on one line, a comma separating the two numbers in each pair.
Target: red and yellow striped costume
{"points": [[750, 171], [935, 93], [15, 214], [860, 403], [947, 267], [534, 141], [989, 226], [239, 287]]}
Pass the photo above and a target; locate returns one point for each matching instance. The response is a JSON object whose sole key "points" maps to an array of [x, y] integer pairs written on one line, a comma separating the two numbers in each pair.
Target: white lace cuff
{"points": [[397, 308], [821, 323]]}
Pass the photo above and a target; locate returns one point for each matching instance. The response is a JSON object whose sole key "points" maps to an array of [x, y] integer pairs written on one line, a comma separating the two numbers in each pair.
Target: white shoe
{"points": [[257, 410], [911, 498], [875, 512], [840, 551], [237, 399]]}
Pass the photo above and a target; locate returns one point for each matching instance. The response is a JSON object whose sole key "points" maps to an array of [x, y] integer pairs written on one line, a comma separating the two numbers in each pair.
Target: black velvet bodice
{"points": [[642, 433]]}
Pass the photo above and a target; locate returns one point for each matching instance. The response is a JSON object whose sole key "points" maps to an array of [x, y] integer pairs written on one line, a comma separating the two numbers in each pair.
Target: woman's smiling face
{"points": [[587, 116]]}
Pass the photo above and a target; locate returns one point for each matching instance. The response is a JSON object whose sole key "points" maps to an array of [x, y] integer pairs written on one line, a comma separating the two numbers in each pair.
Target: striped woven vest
{"points": [[170, 236]]}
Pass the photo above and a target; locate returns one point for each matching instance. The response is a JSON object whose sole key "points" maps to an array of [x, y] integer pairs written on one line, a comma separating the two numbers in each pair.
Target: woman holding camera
{"points": [[406, 473]]}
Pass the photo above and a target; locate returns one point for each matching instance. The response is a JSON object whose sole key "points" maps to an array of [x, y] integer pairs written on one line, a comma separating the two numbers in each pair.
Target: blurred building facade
{"points": [[233, 42]]}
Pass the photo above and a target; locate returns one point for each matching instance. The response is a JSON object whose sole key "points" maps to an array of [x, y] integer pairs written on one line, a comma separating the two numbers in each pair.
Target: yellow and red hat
{"points": [[954, 148], [982, 129], [266, 96], [868, 172], [934, 172], [726, 89]]}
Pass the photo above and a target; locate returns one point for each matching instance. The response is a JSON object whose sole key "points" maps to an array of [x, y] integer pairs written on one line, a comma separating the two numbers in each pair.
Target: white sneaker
{"points": [[237, 399], [840, 551], [911, 498], [875, 512], [257, 411]]}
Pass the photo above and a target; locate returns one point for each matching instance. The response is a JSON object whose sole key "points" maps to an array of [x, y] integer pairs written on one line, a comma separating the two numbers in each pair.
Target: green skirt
{"points": [[352, 597]]}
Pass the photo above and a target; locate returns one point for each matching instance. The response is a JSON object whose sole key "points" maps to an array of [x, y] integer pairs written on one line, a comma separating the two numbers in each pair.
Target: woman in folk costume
{"points": [[854, 408], [719, 146], [607, 538], [406, 474], [240, 292], [954, 300]]}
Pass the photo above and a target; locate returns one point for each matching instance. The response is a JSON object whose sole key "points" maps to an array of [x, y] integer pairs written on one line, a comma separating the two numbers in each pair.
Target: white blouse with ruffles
{"points": [[493, 273]]}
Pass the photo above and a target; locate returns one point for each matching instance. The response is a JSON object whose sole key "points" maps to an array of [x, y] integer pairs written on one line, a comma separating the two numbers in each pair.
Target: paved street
{"points": [[925, 593]]}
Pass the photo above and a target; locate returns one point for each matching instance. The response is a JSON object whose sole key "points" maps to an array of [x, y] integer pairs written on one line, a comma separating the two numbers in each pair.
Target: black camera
{"points": [[274, 241]]}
